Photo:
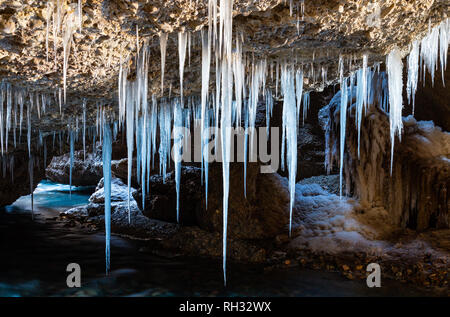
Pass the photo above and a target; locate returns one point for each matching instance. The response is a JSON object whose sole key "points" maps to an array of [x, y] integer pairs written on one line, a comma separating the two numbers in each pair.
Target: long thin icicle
{"points": [[130, 104], [106, 156], [178, 144], [394, 69], [72, 146], [290, 128], [163, 46], [84, 129], [206, 60], [343, 119], [225, 43], [182, 41], [413, 73]]}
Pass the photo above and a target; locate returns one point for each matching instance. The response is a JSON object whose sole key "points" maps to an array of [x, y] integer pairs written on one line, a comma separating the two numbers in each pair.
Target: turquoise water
{"points": [[52, 197], [35, 255]]}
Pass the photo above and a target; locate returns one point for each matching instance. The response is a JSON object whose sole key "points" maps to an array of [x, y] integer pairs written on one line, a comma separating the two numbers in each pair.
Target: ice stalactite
{"points": [[256, 84], [49, 15], [225, 48], [69, 29], [212, 22], [30, 156], [444, 42], [20, 100], [60, 100], [343, 119], [106, 157], [290, 131], [163, 47], [80, 14], [298, 90], [130, 103], [413, 73], [30, 171], [305, 105], [182, 41], [144, 151], [165, 138], [84, 129], [72, 146], [239, 79], [429, 52], [8, 114], [2, 98], [361, 96], [394, 68], [177, 149], [29, 128], [269, 108], [226, 103], [206, 62]]}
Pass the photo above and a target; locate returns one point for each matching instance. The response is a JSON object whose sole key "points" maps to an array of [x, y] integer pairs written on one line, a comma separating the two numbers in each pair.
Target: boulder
{"points": [[86, 172], [119, 192]]}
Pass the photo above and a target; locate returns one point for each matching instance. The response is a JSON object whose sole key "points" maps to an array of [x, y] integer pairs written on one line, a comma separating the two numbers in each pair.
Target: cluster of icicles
{"points": [[233, 103], [387, 91], [64, 19], [19, 106], [239, 83]]}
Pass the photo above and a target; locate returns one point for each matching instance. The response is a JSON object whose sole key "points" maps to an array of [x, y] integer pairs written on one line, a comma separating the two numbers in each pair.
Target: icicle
{"points": [[298, 90], [394, 69], [106, 156], [444, 41], [72, 141], [413, 73], [189, 35], [429, 52], [130, 104], [269, 108], [212, 22], [182, 40], [30, 172], [177, 143], [225, 42], [343, 119], [361, 96], [305, 105], [80, 14], [29, 127], [21, 102], [144, 152], [290, 128], [67, 40], [2, 98], [49, 15], [84, 129], [8, 112], [206, 60], [239, 79], [163, 45], [60, 100]]}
